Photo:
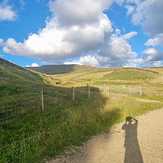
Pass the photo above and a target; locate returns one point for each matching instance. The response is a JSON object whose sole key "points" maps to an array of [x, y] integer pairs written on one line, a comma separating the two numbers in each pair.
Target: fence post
{"points": [[73, 93], [42, 100], [89, 91]]}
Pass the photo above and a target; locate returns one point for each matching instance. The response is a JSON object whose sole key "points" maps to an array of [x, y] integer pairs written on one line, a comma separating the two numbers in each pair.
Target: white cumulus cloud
{"points": [[77, 29], [75, 12], [33, 65], [152, 54], [147, 13], [57, 40], [7, 13]]}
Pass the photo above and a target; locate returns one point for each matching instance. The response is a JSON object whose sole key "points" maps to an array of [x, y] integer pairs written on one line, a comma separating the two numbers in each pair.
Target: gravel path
{"points": [[141, 142]]}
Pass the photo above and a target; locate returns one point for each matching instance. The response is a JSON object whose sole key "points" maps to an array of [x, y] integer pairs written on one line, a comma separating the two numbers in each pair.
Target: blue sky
{"points": [[103, 33], [120, 20]]}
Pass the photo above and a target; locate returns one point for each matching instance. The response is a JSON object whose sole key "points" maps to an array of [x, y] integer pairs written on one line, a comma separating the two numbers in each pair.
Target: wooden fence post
{"points": [[108, 91], [42, 100], [89, 91], [73, 93]]}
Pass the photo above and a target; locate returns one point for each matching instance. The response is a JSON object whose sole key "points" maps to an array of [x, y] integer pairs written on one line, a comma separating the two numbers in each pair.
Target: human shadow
{"points": [[131, 144]]}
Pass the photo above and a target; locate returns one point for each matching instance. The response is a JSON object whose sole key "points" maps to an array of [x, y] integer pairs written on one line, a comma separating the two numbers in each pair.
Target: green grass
{"points": [[65, 124], [13, 73], [33, 136], [130, 74], [130, 106], [61, 126]]}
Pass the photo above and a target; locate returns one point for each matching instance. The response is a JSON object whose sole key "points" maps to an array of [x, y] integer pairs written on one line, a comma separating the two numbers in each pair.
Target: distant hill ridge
{"points": [[60, 69]]}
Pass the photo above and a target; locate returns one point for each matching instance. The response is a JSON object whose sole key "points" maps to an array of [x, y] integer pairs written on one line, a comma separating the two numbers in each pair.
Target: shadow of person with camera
{"points": [[131, 144]]}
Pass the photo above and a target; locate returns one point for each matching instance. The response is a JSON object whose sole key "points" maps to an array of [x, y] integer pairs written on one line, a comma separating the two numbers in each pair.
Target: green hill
{"points": [[91, 75], [131, 74], [15, 81], [10, 72], [29, 133]]}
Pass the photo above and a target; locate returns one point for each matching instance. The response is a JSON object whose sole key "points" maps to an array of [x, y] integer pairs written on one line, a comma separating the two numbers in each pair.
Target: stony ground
{"points": [[141, 142]]}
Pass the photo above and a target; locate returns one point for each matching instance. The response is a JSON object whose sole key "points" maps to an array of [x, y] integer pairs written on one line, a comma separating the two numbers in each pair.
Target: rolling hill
{"points": [[30, 134], [10, 72], [71, 75], [60, 69]]}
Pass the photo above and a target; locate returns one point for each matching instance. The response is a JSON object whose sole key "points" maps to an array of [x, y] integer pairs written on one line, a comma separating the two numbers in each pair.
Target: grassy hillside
{"points": [[100, 76], [29, 134], [60, 69], [71, 115], [131, 74], [13, 73]]}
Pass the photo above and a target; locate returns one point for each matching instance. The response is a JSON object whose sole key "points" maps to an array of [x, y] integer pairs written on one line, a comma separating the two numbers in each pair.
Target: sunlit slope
{"points": [[131, 74], [65, 121], [18, 87], [85, 74], [12, 73]]}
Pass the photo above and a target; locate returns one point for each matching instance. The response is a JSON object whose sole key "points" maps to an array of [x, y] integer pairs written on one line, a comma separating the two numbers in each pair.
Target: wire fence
{"points": [[39, 100]]}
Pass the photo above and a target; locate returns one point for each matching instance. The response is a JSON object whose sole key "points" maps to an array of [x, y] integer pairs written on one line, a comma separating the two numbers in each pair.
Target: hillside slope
{"points": [[11, 72], [29, 133], [70, 116], [61, 69], [70, 75]]}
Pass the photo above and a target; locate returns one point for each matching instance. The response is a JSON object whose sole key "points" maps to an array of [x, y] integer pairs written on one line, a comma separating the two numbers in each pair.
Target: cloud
{"points": [[130, 35], [147, 13], [152, 54], [157, 64], [75, 12], [57, 40], [85, 60], [158, 40], [1, 42], [116, 51], [77, 30], [7, 13], [33, 65]]}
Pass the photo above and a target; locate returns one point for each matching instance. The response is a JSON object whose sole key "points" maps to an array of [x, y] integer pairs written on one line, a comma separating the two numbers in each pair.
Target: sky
{"points": [[103, 33]]}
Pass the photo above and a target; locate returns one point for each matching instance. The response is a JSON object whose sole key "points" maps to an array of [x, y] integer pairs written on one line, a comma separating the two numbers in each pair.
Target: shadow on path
{"points": [[132, 148]]}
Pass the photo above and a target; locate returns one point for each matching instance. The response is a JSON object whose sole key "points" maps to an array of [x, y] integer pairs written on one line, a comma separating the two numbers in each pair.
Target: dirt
{"points": [[139, 142]]}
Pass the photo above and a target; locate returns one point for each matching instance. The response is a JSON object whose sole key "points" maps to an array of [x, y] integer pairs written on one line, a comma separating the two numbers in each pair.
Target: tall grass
{"points": [[35, 136]]}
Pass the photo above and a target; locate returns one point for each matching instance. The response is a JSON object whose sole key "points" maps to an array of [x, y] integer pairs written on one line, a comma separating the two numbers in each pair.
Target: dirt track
{"points": [[142, 143]]}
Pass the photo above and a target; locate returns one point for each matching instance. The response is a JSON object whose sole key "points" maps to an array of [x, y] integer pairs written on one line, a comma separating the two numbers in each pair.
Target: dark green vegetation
{"points": [[60, 69], [30, 135], [37, 135]]}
